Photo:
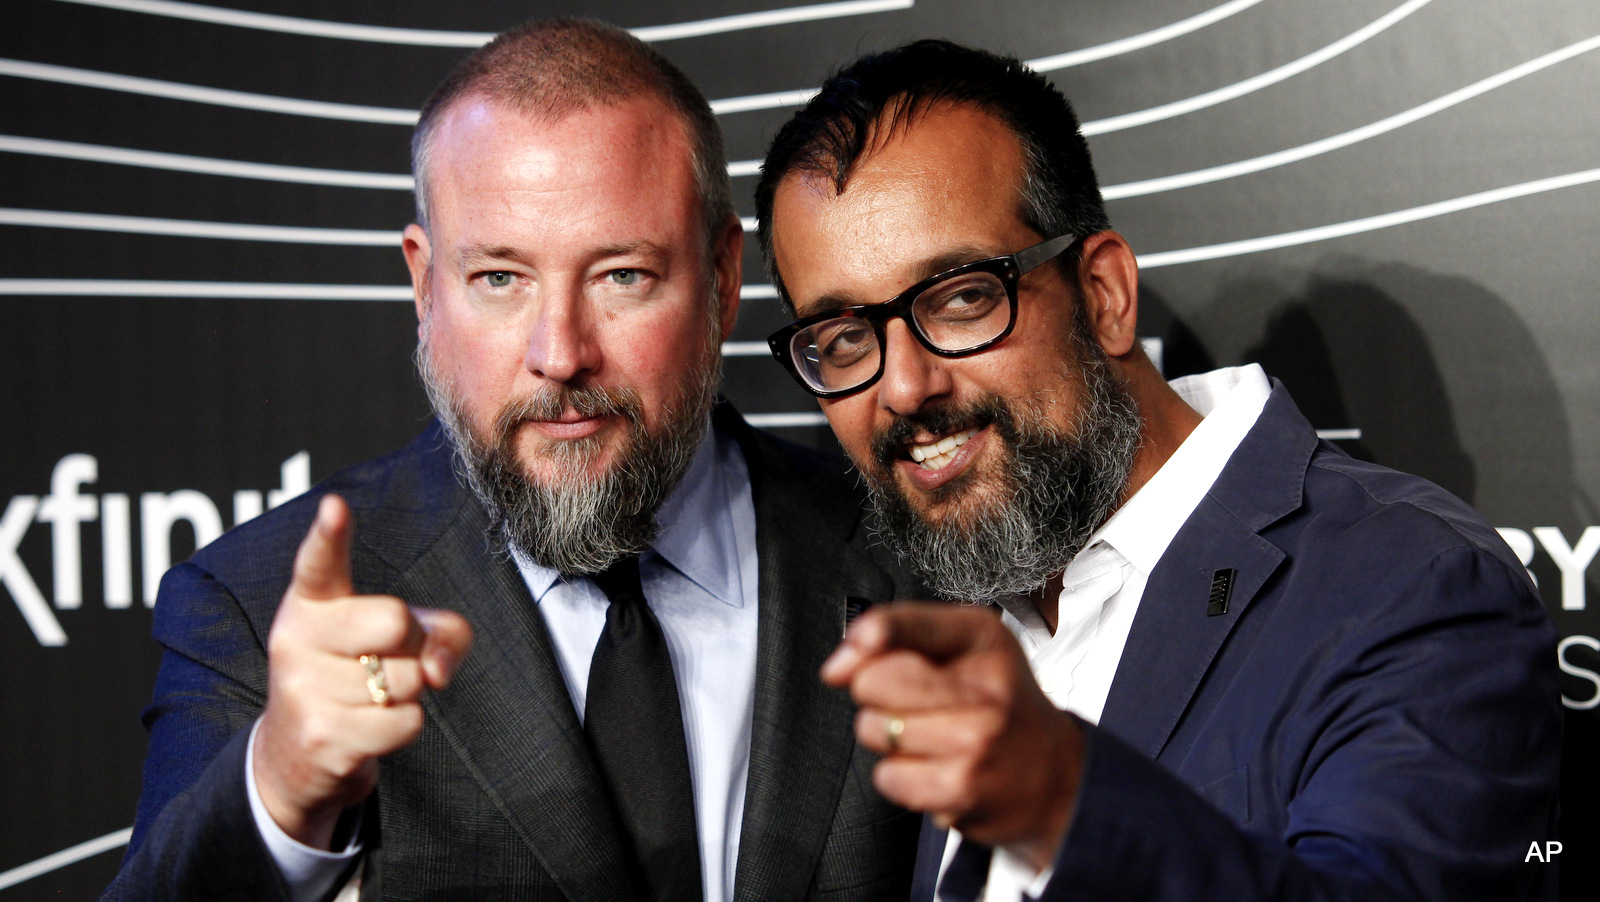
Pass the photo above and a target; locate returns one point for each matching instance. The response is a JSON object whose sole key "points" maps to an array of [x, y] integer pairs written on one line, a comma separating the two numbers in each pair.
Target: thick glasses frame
{"points": [[1008, 268]]}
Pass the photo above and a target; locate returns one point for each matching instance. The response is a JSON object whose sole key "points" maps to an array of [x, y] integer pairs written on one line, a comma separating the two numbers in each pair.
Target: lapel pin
{"points": [[1221, 588], [853, 607]]}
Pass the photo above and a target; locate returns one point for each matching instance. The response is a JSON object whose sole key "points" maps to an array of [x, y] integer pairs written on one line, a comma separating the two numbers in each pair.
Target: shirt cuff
{"points": [[310, 873]]}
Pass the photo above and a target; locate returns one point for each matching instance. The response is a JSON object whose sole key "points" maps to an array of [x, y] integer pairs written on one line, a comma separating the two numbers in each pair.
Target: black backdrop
{"points": [[1391, 205]]}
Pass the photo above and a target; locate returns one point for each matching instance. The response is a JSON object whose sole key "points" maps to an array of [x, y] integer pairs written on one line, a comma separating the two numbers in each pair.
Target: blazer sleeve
{"points": [[1417, 761], [195, 837]]}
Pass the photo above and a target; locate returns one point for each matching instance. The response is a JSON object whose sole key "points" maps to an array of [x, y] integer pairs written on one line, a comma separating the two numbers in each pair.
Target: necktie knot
{"points": [[621, 581]]}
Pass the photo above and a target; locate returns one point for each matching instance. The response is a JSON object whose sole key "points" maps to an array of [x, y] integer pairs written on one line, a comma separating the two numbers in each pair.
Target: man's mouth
{"points": [[937, 455]]}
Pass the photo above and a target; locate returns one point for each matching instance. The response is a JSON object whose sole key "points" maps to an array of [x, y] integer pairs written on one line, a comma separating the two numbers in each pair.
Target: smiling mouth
{"points": [[938, 454]]}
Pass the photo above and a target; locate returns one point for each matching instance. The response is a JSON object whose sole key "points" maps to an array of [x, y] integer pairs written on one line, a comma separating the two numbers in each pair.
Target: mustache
{"points": [[551, 401], [889, 443]]}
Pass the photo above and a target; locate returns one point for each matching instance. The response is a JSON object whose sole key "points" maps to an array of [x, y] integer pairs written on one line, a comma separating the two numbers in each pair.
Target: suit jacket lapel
{"points": [[802, 734], [507, 714], [1174, 639]]}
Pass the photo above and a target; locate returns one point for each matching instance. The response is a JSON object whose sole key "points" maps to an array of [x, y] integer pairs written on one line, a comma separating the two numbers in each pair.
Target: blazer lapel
{"points": [[1173, 639], [802, 734], [1178, 630], [507, 714]]}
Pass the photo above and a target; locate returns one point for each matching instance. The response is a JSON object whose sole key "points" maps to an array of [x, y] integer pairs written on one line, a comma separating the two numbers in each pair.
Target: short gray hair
{"points": [[551, 69]]}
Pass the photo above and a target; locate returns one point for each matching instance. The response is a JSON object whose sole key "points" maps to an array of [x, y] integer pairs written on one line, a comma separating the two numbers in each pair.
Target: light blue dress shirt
{"points": [[700, 580]]}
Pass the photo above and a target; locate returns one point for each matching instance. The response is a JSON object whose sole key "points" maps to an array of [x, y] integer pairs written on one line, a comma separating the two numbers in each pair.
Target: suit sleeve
{"points": [[195, 837], [1417, 760]]}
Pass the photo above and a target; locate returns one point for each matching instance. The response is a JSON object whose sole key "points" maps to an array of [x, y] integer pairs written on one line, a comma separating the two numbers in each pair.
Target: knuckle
{"points": [[960, 786], [388, 619], [864, 734], [409, 718]]}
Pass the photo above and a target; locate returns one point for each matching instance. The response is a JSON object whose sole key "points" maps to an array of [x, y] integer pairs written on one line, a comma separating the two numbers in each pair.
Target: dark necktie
{"points": [[635, 727], [967, 874]]}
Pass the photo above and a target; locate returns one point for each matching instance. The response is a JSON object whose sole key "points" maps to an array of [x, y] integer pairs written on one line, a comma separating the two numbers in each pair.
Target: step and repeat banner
{"points": [[1393, 206]]}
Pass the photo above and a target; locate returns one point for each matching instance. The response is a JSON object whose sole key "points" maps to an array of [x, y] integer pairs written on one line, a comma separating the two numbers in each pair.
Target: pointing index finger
{"points": [[322, 565], [935, 630]]}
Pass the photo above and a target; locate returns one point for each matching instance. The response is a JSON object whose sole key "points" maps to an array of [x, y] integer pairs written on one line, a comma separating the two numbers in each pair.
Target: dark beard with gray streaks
{"points": [[580, 524], [1051, 492]]}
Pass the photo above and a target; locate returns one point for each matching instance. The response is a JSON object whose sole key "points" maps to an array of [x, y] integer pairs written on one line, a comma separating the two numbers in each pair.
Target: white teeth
{"points": [[937, 455]]}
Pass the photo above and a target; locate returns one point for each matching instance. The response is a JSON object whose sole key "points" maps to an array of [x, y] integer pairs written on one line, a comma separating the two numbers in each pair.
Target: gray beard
{"points": [[577, 525], [1054, 490]]}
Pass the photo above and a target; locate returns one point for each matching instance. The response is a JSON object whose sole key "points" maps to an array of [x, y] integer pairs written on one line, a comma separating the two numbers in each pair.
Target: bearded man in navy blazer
{"points": [[592, 676], [1233, 663]]}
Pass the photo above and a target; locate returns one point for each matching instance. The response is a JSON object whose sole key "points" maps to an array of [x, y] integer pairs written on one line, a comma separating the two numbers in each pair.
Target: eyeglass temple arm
{"points": [[1028, 258]]}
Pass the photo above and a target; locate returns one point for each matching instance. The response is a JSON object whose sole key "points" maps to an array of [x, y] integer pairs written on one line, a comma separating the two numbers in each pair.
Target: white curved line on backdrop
{"points": [[267, 291], [1345, 139], [738, 168], [1255, 83], [431, 38], [1366, 224], [779, 99], [149, 159], [775, 100], [98, 153], [1146, 261], [65, 857], [391, 115], [144, 225], [189, 228], [1140, 41], [215, 96]]}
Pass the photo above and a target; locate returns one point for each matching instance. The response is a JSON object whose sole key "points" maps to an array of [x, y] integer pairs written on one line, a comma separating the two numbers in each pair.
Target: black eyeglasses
{"points": [[955, 313]]}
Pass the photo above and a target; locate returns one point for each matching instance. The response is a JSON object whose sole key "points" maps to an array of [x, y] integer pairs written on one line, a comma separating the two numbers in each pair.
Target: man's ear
{"points": [[728, 264], [419, 259], [1108, 275]]}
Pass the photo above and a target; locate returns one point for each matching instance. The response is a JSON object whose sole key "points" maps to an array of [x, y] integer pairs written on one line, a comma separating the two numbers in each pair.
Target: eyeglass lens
{"points": [[956, 314]]}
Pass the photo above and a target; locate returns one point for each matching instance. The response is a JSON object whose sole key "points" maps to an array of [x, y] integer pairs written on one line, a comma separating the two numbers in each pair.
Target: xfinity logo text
{"points": [[67, 508]]}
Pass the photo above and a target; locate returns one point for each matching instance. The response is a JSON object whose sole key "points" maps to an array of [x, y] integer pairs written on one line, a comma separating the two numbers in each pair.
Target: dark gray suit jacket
{"points": [[499, 796]]}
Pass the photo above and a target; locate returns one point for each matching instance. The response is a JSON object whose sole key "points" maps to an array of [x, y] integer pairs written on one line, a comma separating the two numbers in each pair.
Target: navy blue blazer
{"points": [[1374, 716]]}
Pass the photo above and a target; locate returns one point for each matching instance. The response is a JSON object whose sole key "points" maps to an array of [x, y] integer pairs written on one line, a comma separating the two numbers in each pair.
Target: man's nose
{"points": [[563, 345], [911, 374]]}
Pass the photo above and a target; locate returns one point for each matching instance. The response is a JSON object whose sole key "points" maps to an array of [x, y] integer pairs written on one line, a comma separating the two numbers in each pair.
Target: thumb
{"points": [[446, 639], [322, 565]]}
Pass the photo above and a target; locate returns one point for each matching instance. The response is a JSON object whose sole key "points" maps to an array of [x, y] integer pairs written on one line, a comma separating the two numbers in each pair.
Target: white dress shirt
{"points": [[1103, 585], [700, 580]]}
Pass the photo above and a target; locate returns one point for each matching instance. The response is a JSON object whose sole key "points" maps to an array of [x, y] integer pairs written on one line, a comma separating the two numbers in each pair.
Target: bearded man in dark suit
{"points": [[565, 644]]}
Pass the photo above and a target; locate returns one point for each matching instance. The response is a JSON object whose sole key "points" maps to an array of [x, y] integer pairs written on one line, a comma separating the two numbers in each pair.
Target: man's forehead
{"points": [[594, 135], [942, 188], [611, 174]]}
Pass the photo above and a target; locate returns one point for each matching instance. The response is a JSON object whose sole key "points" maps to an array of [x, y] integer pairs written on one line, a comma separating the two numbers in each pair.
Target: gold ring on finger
{"points": [[893, 729], [377, 681]]}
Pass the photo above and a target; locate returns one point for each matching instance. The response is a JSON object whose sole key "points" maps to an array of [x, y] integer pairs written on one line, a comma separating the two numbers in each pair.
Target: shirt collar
{"points": [[697, 535], [1230, 400]]}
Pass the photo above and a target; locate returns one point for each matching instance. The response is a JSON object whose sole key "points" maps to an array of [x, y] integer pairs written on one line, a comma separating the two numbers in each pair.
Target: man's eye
{"points": [[624, 276], [498, 279], [844, 343]]}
